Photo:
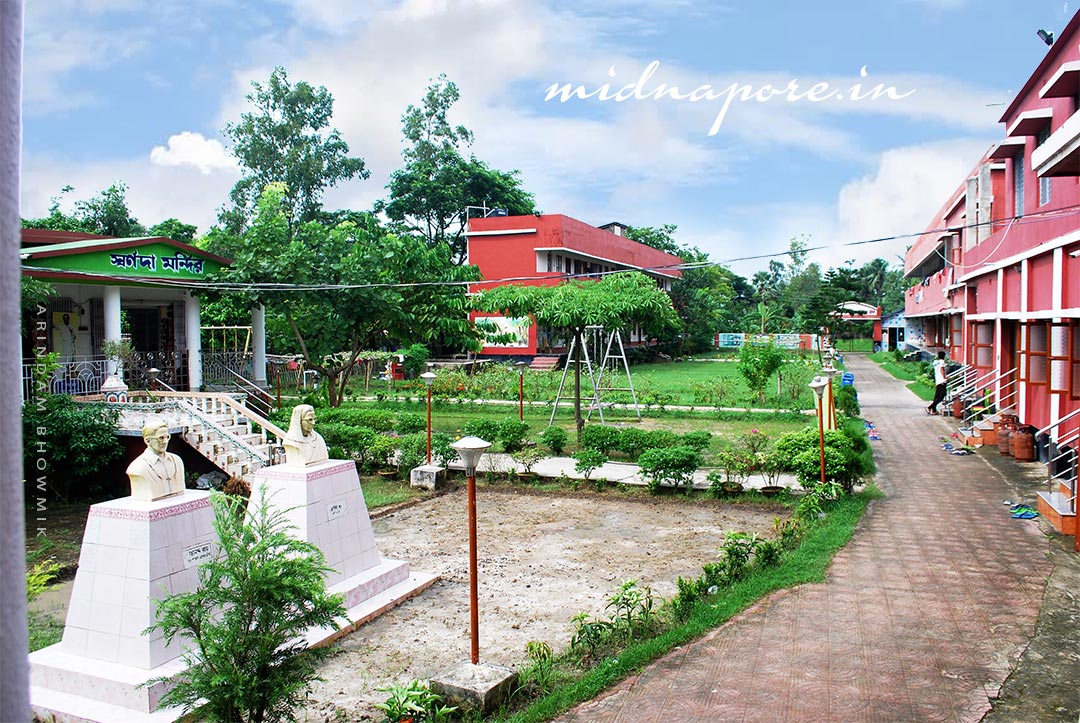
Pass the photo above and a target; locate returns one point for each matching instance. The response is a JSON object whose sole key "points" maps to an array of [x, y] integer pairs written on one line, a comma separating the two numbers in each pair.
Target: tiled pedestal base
{"points": [[326, 505], [134, 553]]}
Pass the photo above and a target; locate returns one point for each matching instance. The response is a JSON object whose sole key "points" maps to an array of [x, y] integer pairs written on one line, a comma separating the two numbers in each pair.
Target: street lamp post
{"points": [[153, 374], [830, 371], [429, 379], [521, 390], [471, 449], [818, 385]]}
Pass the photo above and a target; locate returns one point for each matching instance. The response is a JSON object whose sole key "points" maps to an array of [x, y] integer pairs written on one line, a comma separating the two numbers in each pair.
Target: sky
{"points": [[139, 92]]}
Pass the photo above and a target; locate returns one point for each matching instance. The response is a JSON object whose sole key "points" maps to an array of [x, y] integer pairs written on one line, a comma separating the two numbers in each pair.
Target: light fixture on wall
{"points": [[1045, 36]]}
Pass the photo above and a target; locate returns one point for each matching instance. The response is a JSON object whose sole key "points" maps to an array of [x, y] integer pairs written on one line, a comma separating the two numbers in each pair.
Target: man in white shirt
{"points": [[939, 383]]}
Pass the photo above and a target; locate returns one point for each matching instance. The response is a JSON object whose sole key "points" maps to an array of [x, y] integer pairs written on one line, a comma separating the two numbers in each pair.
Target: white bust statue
{"points": [[156, 473], [303, 445]]}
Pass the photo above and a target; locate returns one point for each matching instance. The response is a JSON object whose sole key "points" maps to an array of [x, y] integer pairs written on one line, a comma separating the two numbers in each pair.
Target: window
{"points": [[558, 262], [550, 266], [1018, 184], [957, 339], [982, 345], [1036, 347], [1044, 182], [1060, 345], [1074, 361]]}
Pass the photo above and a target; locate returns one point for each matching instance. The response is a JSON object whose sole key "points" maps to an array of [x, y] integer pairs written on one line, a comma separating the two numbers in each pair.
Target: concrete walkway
{"points": [[922, 617]]}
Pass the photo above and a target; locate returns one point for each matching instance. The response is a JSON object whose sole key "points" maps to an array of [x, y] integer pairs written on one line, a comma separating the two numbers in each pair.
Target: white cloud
{"points": [[192, 149], [902, 195]]}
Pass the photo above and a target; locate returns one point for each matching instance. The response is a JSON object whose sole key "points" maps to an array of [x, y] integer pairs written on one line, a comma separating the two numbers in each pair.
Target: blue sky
{"points": [[139, 92]]}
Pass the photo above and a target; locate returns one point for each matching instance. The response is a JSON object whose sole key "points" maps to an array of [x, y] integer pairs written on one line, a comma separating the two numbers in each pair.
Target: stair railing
{"points": [[1064, 456]]}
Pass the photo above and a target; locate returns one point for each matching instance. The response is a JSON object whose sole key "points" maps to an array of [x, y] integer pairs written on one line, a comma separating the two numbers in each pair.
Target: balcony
{"points": [[1060, 154], [931, 296]]}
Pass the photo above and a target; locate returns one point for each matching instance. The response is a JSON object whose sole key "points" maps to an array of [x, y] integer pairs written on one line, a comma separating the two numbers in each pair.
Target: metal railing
{"points": [[76, 376], [257, 397], [980, 395], [1063, 457]]}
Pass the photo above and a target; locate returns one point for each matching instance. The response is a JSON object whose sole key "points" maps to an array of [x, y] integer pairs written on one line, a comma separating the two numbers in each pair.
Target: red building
{"points": [[549, 249], [998, 269]]}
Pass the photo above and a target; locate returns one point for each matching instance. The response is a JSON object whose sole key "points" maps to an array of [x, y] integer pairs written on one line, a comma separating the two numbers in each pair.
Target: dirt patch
{"points": [[56, 533], [542, 559]]}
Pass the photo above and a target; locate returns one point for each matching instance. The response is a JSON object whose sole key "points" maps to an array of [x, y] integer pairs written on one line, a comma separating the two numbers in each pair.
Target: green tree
{"points": [[757, 363], [248, 662], [430, 194], [617, 301], [365, 288], [699, 295], [106, 214], [174, 229], [288, 139]]}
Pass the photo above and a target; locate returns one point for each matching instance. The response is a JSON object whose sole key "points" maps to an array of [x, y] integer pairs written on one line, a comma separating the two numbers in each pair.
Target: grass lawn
{"points": [[910, 372]]}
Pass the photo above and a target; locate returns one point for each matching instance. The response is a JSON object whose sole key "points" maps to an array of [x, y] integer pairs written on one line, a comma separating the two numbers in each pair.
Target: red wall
{"points": [[512, 258]]}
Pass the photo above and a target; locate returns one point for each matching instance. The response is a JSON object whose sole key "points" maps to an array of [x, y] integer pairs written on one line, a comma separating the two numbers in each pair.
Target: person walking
{"points": [[939, 383]]}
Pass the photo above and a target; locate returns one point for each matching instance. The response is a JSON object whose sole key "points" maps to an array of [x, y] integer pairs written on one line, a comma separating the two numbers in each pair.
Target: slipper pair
{"points": [[1023, 512], [960, 452]]}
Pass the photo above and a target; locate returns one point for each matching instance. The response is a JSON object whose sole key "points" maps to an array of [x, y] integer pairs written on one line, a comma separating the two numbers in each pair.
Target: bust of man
{"points": [[303, 445], [156, 473]]}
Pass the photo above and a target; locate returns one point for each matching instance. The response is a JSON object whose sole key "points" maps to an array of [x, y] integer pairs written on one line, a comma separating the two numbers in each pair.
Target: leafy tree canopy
{"points": [[430, 194], [617, 301], [383, 287], [106, 214], [288, 139]]}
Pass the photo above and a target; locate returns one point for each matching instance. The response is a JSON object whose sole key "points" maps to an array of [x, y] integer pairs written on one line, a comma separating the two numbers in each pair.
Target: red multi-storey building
{"points": [[545, 250], [998, 270]]}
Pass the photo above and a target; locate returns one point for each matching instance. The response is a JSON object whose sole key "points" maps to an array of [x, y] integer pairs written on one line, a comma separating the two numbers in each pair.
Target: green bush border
{"points": [[806, 564]]}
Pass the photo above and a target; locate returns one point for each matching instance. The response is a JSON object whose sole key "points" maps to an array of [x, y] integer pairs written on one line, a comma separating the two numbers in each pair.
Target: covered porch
{"points": [[134, 290]]}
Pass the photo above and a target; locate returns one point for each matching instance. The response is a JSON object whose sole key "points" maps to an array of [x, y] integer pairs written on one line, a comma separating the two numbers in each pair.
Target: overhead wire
{"points": [[1035, 217]]}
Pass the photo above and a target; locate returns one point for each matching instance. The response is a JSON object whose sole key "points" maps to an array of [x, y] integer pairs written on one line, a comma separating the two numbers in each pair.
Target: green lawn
{"points": [[906, 371]]}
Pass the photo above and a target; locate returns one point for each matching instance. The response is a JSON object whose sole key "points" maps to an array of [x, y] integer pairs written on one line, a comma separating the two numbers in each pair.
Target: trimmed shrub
{"points": [[485, 429], [674, 465], [512, 433], [633, 441], [600, 437], [411, 422], [555, 438]]}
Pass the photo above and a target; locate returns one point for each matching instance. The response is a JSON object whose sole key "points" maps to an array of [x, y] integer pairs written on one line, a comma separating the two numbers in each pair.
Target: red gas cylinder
{"points": [[1004, 445], [1022, 443]]}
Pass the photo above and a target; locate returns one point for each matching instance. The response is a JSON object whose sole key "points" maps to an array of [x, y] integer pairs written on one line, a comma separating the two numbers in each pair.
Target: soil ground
{"points": [[542, 559]]}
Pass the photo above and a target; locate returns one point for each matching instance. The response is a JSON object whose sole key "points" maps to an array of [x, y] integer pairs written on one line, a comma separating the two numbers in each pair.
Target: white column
{"points": [[14, 671], [258, 344], [112, 319], [192, 324]]}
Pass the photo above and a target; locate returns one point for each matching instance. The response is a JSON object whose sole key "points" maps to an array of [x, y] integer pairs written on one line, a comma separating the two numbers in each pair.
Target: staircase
{"points": [[544, 363], [1058, 503], [980, 402], [219, 426]]}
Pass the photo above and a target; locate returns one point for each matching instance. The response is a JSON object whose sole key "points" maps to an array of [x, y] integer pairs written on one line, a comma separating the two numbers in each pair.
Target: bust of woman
{"points": [[303, 445]]}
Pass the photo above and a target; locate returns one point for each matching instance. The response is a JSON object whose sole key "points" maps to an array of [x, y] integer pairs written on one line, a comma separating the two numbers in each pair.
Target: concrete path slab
{"points": [[922, 616]]}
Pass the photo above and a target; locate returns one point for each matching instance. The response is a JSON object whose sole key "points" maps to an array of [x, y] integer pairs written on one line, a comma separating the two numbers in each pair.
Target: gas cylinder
{"points": [[1022, 444]]}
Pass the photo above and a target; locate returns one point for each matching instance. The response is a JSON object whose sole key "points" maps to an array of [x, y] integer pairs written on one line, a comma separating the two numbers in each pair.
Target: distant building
{"points": [[545, 250]]}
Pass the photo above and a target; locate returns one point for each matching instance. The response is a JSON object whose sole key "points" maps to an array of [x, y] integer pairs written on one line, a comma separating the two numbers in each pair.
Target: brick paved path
{"points": [[921, 618]]}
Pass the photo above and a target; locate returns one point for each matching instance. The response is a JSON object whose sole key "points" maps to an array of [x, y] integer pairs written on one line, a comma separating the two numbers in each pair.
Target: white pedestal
{"points": [[325, 503], [134, 553]]}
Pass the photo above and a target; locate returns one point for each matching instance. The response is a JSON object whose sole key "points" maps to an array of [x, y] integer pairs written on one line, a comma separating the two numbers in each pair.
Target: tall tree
{"points": [[430, 194], [615, 302], [699, 295], [287, 139], [370, 289]]}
